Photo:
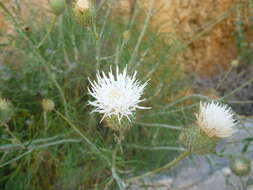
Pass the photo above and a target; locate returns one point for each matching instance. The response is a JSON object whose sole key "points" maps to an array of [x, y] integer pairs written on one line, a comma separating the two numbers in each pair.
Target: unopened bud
{"points": [[127, 34], [57, 6], [240, 166], [6, 110], [48, 105], [235, 63]]}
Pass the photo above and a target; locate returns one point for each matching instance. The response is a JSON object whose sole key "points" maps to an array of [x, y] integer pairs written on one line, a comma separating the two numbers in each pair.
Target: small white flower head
{"points": [[82, 5], [48, 105], [4, 104], [6, 110], [117, 95], [83, 11], [216, 120]]}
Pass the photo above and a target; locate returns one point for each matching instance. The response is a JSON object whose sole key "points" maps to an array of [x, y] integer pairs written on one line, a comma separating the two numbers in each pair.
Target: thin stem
{"points": [[224, 78], [16, 158], [115, 176], [154, 148], [63, 45], [94, 147], [160, 125], [16, 140], [38, 54], [48, 32], [99, 38], [37, 147], [143, 31], [157, 170], [45, 120], [238, 89], [38, 143]]}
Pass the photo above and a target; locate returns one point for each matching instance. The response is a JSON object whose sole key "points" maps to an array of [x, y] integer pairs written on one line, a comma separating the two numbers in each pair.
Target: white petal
{"points": [[216, 120], [116, 94]]}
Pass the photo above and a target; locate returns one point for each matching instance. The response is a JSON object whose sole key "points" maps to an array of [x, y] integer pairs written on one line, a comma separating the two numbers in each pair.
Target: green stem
{"points": [[45, 120], [142, 34], [224, 78], [115, 176], [38, 54], [93, 146], [48, 32], [63, 44], [167, 166], [16, 140], [238, 89]]}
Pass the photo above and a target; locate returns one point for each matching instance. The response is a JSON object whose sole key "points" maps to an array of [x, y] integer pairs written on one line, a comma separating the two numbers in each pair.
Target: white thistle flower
{"points": [[117, 95], [216, 120], [82, 5]]}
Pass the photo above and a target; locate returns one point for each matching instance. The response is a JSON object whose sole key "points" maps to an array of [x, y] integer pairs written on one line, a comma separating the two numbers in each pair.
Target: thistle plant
{"points": [[117, 97], [214, 122], [56, 61], [82, 11]]}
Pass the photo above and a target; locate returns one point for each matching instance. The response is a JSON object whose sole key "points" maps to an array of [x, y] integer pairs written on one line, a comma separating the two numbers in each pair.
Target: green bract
{"points": [[113, 123], [57, 6], [197, 141], [240, 166]]}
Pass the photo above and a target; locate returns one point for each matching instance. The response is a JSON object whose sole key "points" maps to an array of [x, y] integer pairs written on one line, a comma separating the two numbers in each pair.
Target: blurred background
{"points": [[190, 50]]}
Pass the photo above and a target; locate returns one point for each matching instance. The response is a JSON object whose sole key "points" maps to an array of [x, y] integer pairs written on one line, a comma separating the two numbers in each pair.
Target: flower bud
{"points": [[196, 141], [240, 166], [82, 11], [57, 6], [126, 34], [6, 110], [47, 105], [235, 63]]}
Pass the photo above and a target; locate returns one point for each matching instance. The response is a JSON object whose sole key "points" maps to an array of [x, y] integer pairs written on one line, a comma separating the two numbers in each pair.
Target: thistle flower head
{"points": [[4, 104], [216, 120], [82, 5], [48, 105], [116, 95], [6, 110], [83, 11], [240, 166]]}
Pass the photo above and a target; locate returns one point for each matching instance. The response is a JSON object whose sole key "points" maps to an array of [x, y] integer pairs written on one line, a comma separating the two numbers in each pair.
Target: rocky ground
{"points": [[203, 173]]}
